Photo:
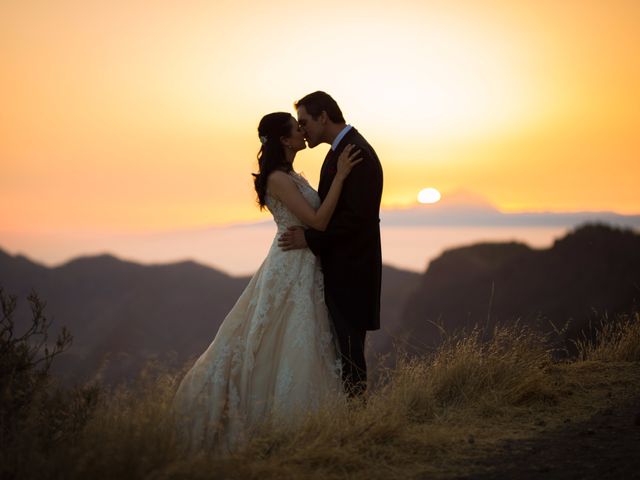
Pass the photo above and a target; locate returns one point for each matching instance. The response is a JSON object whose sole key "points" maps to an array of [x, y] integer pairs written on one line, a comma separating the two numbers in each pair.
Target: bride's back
{"points": [[281, 214]]}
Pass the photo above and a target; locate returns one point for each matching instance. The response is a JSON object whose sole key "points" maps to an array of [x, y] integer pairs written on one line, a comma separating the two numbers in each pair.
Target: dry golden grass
{"points": [[428, 417], [615, 341]]}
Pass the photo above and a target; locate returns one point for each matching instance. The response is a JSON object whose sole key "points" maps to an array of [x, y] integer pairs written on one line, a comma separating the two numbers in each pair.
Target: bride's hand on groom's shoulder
{"points": [[348, 159], [292, 239]]}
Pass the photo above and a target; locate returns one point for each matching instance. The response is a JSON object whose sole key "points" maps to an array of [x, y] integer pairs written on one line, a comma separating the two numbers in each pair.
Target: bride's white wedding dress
{"points": [[273, 357]]}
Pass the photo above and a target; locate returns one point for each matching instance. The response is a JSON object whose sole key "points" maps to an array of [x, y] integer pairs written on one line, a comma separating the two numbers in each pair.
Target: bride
{"points": [[274, 356]]}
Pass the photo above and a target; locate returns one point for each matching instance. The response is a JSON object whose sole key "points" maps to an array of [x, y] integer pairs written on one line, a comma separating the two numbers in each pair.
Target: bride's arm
{"points": [[282, 186]]}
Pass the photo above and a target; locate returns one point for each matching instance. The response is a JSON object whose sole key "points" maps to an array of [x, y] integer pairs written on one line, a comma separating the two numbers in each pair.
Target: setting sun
{"points": [[429, 195]]}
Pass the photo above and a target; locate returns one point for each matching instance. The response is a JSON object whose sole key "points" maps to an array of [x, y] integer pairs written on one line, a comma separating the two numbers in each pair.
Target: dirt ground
{"points": [[594, 433], [607, 446]]}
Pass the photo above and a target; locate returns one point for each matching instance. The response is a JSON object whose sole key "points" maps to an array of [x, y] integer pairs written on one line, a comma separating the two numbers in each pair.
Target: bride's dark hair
{"points": [[271, 156]]}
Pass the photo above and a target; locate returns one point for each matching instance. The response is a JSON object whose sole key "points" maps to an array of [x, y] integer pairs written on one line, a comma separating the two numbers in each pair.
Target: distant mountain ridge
{"points": [[489, 216], [240, 248], [472, 210], [134, 312]]}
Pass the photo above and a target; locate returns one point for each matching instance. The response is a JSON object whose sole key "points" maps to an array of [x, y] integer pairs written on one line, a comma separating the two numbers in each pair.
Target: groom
{"points": [[349, 249]]}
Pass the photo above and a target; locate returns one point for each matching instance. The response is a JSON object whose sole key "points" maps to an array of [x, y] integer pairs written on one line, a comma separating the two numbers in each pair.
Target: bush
{"points": [[35, 413]]}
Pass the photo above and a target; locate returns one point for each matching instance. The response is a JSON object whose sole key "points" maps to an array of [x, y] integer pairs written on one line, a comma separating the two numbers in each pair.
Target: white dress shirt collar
{"points": [[340, 136]]}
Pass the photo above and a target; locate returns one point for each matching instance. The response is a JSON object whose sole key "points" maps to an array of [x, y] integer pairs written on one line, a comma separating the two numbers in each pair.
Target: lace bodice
{"points": [[281, 214]]}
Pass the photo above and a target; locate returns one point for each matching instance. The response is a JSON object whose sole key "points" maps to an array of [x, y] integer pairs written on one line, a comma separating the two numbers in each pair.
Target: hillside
{"points": [[131, 311], [503, 409], [593, 272]]}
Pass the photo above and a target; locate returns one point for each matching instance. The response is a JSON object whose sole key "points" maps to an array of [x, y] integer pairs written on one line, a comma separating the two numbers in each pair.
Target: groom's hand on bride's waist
{"points": [[292, 239]]}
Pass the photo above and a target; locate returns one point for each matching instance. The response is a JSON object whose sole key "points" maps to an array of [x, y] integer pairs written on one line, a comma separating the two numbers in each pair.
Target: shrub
{"points": [[35, 413]]}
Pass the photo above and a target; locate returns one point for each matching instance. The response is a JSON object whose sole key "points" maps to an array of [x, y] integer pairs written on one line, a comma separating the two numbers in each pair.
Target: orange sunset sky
{"points": [[127, 116]]}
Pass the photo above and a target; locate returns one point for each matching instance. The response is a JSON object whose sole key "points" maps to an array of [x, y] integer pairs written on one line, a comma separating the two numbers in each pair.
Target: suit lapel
{"points": [[329, 166], [325, 175], [325, 164]]}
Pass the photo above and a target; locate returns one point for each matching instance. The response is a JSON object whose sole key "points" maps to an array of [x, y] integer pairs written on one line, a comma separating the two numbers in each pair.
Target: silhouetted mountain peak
{"points": [[594, 235], [102, 262], [104, 259], [465, 201], [19, 264], [191, 267], [475, 259], [6, 257]]}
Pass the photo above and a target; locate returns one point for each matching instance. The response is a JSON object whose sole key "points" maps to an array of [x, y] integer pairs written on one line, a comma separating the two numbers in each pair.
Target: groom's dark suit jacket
{"points": [[349, 249]]}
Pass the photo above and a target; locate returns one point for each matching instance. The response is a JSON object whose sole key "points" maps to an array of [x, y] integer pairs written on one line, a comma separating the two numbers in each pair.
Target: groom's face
{"points": [[313, 129]]}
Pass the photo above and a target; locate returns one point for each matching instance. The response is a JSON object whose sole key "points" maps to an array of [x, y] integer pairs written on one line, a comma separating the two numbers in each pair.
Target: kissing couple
{"points": [[295, 338]]}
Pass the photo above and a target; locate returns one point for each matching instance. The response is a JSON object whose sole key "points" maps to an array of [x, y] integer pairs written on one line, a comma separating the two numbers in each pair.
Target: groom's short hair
{"points": [[317, 102]]}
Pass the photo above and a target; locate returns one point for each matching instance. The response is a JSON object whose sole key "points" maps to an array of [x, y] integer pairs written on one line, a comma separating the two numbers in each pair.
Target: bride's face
{"points": [[296, 139]]}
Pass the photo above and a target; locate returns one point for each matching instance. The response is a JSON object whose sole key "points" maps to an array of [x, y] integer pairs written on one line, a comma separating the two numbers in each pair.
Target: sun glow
{"points": [[429, 195], [459, 81], [164, 102]]}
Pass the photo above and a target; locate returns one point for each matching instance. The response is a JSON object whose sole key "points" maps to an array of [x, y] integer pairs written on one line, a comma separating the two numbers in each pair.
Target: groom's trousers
{"points": [[354, 368]]}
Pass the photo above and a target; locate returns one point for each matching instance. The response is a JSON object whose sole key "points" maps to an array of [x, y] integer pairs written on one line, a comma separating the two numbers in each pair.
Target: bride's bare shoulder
{"points": [[279, 182], [279, 179]]}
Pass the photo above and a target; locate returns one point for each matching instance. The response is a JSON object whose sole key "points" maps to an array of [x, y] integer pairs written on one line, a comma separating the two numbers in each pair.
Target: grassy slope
{"points": [[436, 417]]}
